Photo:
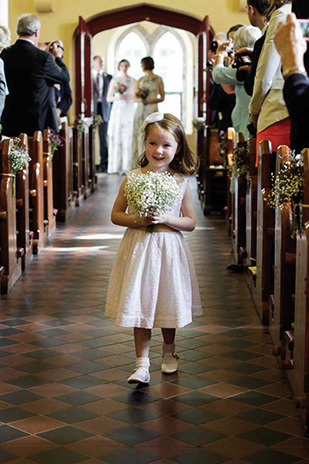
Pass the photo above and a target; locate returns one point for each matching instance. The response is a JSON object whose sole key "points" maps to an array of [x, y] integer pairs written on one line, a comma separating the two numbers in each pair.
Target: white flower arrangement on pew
{"points": [[80, 124], [287, 189], [199, 123], [19, 156], [96, 120], [151, 192], [240, 161]]}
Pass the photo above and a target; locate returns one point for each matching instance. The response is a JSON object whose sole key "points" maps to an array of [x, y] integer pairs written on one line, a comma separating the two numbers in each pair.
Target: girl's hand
{"points": [[156, 218]]}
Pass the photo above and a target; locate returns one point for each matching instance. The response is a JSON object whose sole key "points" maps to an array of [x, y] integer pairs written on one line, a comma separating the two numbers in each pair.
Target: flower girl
{"points": [[153, 282]]}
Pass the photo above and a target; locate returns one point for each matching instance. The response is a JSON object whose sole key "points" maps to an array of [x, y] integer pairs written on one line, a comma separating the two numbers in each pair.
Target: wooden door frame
{"points": [[127, 15]]}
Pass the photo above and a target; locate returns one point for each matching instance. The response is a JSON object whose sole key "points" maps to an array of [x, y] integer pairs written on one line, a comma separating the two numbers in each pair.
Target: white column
{"points": [[4, 12]]}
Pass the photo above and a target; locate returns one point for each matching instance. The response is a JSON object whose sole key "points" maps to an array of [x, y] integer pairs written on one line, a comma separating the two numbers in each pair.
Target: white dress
{"points": [[120, 130], [153, 281], [141, 112]]}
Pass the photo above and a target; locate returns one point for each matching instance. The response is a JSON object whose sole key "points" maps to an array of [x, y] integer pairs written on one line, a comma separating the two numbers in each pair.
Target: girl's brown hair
{"points": [[275, 4], [184, 162]]}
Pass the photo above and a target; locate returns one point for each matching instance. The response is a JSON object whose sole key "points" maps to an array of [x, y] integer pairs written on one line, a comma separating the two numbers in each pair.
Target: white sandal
{"points": [[140, 375]]}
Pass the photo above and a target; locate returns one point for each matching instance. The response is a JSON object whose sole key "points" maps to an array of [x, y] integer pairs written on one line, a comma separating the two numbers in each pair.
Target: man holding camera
{"points": [[31, 74]]}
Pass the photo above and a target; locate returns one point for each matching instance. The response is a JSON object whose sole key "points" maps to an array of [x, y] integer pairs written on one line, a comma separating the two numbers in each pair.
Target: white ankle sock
{"points": [[168, 347], [142, 362]]}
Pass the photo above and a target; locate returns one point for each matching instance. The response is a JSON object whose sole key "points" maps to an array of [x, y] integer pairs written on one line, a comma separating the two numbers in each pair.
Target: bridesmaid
{"points": [[148, 91], [120, 127]]}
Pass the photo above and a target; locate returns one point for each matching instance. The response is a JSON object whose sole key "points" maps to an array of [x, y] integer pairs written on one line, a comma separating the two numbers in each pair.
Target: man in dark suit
{"points": [[101, 81], [31, 74]]}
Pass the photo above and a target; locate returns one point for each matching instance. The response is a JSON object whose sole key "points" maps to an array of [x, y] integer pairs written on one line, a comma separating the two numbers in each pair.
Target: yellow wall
{"points": [[62, 22]]}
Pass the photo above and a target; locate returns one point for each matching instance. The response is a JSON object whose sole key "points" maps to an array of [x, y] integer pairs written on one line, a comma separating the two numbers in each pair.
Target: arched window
{"points": [[169, 59], [132, 48]]}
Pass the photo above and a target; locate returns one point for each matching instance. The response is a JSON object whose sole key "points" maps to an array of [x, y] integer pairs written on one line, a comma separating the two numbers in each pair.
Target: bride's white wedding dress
{"points": [[120, 129]]}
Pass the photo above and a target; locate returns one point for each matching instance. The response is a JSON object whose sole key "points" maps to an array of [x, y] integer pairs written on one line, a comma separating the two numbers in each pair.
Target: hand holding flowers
{"points": [[120, 88], [151, 196]]}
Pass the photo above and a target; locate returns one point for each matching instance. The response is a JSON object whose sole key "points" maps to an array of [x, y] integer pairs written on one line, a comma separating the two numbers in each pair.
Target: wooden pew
{"points": [[49, 212], [24, 235], [299, 376], [282, 319], [78, 187], [239, 209], [63, 175], [36, 191], [92, 169], [231, 137], [265, 232], [215, 175], [251, 210], [10, 261]]}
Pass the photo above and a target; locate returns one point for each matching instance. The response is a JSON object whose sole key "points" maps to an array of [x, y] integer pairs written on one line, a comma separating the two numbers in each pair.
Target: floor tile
{"points": [[65, 435], [131, 435], [64, 365]]}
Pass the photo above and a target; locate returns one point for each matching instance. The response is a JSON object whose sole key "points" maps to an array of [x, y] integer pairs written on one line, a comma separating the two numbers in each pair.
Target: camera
{"points": [[213, 46], [241, 59], [52, 44], [304, 25]]}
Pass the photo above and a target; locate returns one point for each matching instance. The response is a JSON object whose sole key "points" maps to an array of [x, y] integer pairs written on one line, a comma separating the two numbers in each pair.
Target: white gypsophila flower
{"points": [[151, 192]]}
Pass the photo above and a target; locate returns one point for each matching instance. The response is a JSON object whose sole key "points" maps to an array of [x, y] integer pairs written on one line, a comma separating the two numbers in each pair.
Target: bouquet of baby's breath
{"points": [[240, 160], [19, 156], [151, 192], [287, 188]]}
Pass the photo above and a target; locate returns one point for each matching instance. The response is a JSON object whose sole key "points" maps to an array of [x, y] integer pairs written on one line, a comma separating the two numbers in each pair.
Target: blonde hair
{"points": [[5, 37], [184, 162], [275, 4]]}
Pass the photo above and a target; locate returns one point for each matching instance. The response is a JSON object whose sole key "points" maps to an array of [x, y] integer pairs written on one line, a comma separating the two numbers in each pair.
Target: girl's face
{"points": [[161, 147], [124, 66]]}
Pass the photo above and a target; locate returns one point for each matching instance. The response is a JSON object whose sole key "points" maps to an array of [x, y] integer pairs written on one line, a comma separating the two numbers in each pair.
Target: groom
{"points": [[101, 82]]}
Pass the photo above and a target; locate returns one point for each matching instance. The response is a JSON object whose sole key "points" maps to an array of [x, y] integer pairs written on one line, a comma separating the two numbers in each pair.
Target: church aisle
{"points": [[63, 366]]}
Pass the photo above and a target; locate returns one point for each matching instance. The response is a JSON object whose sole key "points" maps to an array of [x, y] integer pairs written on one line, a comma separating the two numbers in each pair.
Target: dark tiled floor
{"points": [[63, 366]]}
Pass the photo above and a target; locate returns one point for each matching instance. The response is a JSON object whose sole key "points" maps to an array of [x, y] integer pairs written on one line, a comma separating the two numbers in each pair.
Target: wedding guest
{"points": [[5, 40], [148, 91], [256, 10], [244, 37], [120, 127], [267, 108], [101, 81], [291, 47], [31, 74]]}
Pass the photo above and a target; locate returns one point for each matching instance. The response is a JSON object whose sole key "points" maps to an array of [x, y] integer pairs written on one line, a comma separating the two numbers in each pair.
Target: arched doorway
{"points": [[119, 17]]}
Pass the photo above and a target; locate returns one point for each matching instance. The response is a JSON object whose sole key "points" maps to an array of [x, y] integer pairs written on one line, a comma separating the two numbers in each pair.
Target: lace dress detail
{"points": [[120, 130], [153, 281]]}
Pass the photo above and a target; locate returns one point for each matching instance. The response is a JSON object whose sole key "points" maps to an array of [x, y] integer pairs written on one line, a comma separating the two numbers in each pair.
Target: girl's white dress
{"points": [[120, 130], [153, 281]]}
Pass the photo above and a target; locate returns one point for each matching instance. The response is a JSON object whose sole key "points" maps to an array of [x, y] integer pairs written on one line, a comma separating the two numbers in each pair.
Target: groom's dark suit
{"points": [[31, 74], [103, 108]]}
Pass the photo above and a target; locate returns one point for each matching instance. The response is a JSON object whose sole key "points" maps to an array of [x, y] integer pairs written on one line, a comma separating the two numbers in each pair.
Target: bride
{"points": [[120, 127]]}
